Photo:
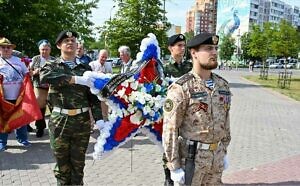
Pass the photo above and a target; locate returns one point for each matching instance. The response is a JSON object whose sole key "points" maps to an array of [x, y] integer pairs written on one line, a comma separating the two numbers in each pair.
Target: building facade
{"points": [[233, 16], [174, 29], [202, 17]]}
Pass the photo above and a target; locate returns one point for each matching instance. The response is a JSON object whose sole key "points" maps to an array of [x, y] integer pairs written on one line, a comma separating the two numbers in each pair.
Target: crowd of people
{"points": [[196, 129]]}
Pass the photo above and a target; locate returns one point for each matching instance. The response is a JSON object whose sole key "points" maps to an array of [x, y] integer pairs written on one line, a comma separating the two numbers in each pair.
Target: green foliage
{"points": [[227, 48], [245, 41], [258, 45], [133, 21], [25, 22], [189, 35], [286, 41], [280, 40]]}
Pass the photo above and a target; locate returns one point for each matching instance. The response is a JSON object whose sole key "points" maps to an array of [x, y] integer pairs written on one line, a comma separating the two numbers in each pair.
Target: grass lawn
{"points": [[116, 69], [292, 92]]}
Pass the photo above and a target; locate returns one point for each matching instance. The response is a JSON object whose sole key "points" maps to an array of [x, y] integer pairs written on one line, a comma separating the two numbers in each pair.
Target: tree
{"points": [[189, 35], [260, 41], [245, 41], [132, 22], [286, 43], [287, 40], [25, 22], [227, 48]]}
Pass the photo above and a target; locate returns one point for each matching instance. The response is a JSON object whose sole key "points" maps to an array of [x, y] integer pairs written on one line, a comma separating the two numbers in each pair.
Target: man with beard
{"points": [[196, 130]]}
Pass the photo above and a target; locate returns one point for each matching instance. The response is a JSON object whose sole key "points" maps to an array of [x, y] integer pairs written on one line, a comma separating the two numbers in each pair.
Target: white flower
{"points": [[151, 113], [140, 98], [157, 88], [131, 108], [146, 109], [134, 85], [121, 92], [124, 84], [143, 90], [147, 122]]}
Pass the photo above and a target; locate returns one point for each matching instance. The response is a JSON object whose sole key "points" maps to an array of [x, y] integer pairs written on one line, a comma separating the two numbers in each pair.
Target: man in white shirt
{"points": [[125, 53], [13, 72], [102, 66]]}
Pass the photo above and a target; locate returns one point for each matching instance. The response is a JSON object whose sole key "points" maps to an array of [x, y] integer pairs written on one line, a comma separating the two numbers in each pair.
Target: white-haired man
{"points": [[125, 56]]}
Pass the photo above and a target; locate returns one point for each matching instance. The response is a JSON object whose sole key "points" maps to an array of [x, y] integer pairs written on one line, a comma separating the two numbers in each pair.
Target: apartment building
{"points": [[236, 16], [202, 17]]}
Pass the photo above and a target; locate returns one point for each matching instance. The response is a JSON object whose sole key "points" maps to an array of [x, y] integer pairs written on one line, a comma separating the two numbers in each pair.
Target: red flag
{"points": [[149, 73], [24, 111]]}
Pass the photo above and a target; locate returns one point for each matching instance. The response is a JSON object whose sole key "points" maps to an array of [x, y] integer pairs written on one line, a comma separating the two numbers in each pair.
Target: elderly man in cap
{"points": [[40, 90], [13, 72], [196, 131], [70, 99], [177, 65]]}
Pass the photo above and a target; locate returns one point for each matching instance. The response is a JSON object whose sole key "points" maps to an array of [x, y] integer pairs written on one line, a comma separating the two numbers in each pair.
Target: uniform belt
{"points": [[204, 146], [70, 112]]}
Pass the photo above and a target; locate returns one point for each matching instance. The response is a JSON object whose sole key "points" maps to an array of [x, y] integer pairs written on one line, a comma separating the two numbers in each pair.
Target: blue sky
{"points": [[176, 11]]}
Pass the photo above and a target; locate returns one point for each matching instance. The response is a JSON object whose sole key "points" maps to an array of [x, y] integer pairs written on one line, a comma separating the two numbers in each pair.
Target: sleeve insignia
{"points": [[168, 106]]}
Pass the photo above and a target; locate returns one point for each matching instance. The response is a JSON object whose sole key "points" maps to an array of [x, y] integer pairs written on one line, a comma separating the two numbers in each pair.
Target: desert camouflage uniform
{"points": [[194, 112], [69, 135], [173, 69]]}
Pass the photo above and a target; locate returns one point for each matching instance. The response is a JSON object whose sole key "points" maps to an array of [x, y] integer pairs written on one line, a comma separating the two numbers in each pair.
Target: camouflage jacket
{"points": [[195, 112], [65, 95], [36, 64], [173, 69]]}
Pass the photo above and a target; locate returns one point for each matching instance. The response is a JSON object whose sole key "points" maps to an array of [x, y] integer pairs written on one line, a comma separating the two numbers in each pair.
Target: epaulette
{"points": [[221, 78], [184, 78]]}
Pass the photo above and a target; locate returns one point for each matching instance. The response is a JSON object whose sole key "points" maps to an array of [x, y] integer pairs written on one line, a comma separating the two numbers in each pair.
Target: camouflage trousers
{"points": [[69, 138], [209, 165]]}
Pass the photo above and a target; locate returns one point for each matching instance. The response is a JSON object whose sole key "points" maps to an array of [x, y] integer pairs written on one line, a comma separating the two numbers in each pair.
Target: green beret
{"points": [[175, 38], [65, 34], [203, 39]]}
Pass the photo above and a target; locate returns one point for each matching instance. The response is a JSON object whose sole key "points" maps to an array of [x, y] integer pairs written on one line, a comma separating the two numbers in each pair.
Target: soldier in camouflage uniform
{"points": [[174, 68], [177, 66], [196, 131], [69, 124]]}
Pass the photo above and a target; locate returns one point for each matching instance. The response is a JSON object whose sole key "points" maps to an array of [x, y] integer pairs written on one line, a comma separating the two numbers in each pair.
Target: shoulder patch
{"points": [[221, 78], [184, 78], [168, 106]]}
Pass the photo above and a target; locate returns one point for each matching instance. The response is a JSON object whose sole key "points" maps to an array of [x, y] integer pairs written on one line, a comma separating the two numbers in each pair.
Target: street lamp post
{"points": [[238, 52], [111, 12]]}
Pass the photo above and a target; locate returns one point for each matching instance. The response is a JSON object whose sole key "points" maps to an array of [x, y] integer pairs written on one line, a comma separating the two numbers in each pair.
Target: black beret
{"points": [[64, 34], [203, 38], [175, 38]]}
